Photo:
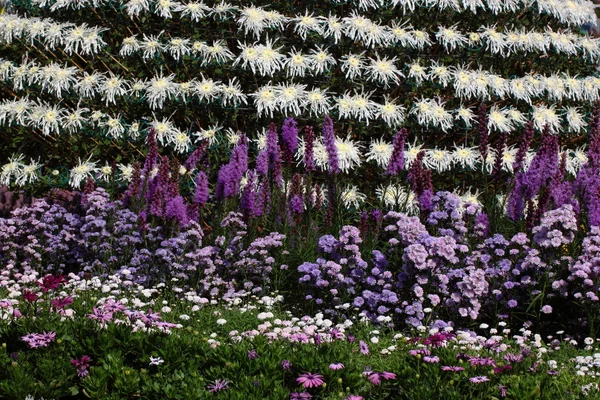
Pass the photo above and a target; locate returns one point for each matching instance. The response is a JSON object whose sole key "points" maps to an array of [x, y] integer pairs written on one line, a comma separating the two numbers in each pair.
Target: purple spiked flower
{"points": [[396, 163], [329, 141]]}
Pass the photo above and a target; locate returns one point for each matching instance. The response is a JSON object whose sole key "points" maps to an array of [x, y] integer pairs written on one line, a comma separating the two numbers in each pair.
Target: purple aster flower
{"points": [[512, 303], [479, 379], [252, 355], [286, 365], [354, 397], [503, 391], [546, 309], [309, 380], [300, 396], [452, 368], [431, 359], [218, 386], [336, 366], [364, 348]]}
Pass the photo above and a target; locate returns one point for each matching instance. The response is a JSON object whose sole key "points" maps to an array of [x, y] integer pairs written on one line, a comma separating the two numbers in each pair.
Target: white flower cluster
{"points": [[370, 34], [77, 39], [571, 12], [56, 79]]}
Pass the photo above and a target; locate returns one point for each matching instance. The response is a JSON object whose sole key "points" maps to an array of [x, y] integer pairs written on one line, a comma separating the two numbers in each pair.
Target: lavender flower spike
{"points": [[329, 141]]}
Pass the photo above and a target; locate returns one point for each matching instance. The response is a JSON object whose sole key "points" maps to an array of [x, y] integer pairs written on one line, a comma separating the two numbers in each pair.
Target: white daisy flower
{"points": [[252, 19], [290, 98], [73, 121], [543, 115], [270, 60], [164, 130], [508, 158], [317, 102], [218, 52], [410, 154], [498, 85], [28, 173], [333, 28], [520, 89], [207, 89], [232, 93], [11, 169], [466, 115], [348, 154], [402, 34], [296, 64], [222, 10], [265, 100], [129, 46], [89, 84], [441, 73], [194, 10], [494, 40], [554, 86], [111, 87], [391, 113], [163, 8], [114, 127], [421, 39], [151, 46], [135, 7], [362, 107], [516, 116], [181, 141]]}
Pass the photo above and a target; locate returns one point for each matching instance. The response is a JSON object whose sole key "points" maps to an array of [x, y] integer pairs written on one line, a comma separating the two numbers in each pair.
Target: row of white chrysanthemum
{"points": [[571, 12], [87, 40], [467, 84], [362, 30], [350, 156], [79, 39], [53, 119]]}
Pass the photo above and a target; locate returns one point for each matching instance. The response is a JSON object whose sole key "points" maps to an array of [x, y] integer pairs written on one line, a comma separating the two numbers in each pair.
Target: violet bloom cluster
{"points": [[35, 340]]}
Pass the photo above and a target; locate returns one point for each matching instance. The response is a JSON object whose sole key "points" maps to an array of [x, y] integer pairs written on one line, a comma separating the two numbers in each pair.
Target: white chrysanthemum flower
{"points": [[111, 87], [351, 197], [402, 34], [185, 89], [181, 141], [134, 130], [296, 64], [276, 20], [590, 88], [89, 84], [432, 112], [125, 172], [543, 115], [73, 121], [495, 40], [151, 46], [222, 10], [114, 127], [249, 56], [555, 87], [561, 42], [317, 102], [104, 172], [391, 195], [499, 120], [462, 81], [290, 98], [362, 107], [48, 118], [480, 83], [163, 8], [411, 153], [11, 169], [20, 74], [16, 111], [261, 140], [333, 28], [135, 7], [450, 38], [474, 39], [417, 72], [438, 159], [81, 172], [252, 19], [377, 35], [383, 70], [307, 24], [209, 134], [233, 137], [160, 88], [265, 100], [466, 115], [178, 48], [409, 5], [96, 117], [441, 73], [574, 88], [538, 41], [520, 89], [352, 65], [466, 157], [270, 60], [470, 197], [508, 158], [580, 157], [6, 68], [28, 173], [57, 79], [321, 60], [380, 151], [498, 85], [232, 93], [207, 89], [129, 46], [391, 113], [164, 130], [196, 11], [218, 52], [516, 116], [421, 39], [348, 154], [535, 85], [590, 48], [575, 119], [356, 26]]}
